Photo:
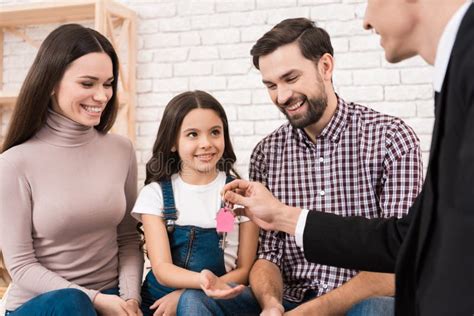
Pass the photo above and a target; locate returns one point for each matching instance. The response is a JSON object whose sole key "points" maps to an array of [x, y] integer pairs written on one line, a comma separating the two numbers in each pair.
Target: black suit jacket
{"points": [[431, 249]]}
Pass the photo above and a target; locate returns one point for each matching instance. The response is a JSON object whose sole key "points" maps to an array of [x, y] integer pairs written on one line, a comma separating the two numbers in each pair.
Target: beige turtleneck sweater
{"points": [[65, 201]]}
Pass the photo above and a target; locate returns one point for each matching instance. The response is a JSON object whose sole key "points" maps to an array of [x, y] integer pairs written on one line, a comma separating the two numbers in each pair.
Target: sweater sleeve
{"points": [[16, 236], [130, 256]]}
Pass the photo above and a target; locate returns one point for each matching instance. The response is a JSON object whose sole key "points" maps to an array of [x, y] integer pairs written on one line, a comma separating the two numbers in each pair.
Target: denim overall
{"points": [[192, 248]]}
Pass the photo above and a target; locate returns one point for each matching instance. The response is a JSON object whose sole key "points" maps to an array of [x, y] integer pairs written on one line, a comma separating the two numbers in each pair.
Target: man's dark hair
{"points": [[313, 41]]}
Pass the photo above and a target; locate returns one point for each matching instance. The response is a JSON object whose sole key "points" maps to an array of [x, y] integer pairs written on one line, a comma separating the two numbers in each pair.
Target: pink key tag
{"points": [[225, 220]]}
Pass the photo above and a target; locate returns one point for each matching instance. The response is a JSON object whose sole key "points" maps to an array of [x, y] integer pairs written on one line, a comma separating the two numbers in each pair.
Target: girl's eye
{"points": [[192, 134], [87, 84], [216, 132], [108, 85], [292, 79]]}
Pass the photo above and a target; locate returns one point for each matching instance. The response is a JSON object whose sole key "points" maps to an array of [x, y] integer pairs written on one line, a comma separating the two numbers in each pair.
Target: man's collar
{"points": [[445, 45]]}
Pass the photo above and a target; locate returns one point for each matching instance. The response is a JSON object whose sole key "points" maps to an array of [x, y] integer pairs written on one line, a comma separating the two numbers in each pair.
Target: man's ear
{"points": [[326, 66]]}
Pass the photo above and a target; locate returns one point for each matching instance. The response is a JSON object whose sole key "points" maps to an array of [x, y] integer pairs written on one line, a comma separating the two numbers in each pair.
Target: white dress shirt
{"points": [[445, 46]]}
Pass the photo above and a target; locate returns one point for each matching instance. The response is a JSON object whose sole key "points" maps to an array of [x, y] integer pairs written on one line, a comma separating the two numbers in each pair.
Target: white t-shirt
{"points": [[197, 205]]}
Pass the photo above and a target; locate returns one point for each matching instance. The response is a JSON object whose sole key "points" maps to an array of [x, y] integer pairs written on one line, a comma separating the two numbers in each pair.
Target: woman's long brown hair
{"points": [[60, 48]]}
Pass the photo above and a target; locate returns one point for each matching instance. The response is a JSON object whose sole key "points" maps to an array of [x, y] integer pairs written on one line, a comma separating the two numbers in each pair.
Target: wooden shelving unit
{"points": [[4, 277], [117, 22], [112, 19]]}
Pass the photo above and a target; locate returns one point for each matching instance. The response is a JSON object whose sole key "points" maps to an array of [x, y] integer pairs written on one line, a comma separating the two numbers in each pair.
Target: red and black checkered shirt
{"points": [[363, 163]]}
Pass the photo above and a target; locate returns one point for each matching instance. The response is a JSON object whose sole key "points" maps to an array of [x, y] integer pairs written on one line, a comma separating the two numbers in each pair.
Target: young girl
{"points": [[192, 160]]}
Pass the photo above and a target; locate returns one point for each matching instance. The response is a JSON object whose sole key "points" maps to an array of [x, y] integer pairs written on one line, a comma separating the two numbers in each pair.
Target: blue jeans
{"points": [[71, 302], [374, 306], [197, 303], [192, 248]]}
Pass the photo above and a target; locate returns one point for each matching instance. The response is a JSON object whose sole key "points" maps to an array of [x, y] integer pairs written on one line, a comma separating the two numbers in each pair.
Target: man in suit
{"points": [[429, 248]]}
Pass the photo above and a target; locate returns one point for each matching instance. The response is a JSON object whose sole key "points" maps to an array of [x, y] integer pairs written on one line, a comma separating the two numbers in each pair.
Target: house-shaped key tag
{"points": [[225, 220]]}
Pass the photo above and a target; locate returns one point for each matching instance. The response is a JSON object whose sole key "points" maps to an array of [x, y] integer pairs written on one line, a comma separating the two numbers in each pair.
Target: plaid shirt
{"points": [[363, 163]]}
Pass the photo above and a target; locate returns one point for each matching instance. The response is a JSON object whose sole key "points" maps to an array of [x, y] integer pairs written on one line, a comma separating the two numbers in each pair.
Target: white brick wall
{"points": [[205, 44]]}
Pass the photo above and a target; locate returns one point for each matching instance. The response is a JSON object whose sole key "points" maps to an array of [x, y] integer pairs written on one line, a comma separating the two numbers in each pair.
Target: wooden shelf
{"points": [[33, 14], [8, 98], [109, 17], [4, 277], [43, 14]]}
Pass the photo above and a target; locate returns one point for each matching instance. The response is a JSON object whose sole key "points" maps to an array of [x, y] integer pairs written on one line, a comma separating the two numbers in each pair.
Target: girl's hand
{"points": [[167, 304], [214, 287], [111, 305]]}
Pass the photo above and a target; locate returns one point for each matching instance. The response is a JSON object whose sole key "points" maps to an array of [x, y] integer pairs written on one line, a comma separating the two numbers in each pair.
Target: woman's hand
{"points": [[272, 311], [133, 307], [214, 287], [112, 305], [167, 304]]}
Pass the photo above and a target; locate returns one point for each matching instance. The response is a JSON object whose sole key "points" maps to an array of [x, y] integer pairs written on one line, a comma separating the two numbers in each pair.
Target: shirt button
{"points": [[325, 286], [322, 192], [321, 159]]}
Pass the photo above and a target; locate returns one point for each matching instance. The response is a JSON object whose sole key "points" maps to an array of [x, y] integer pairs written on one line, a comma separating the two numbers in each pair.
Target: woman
{"points": [[67, 187]]}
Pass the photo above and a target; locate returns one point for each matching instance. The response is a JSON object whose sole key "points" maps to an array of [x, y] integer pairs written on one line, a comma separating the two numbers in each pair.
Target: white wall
{"points": [[204, 44]]}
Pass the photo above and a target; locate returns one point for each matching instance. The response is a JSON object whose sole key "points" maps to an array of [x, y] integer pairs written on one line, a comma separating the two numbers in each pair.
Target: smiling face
{"points": [[85, 88], [395, 21], [294, 85], [200, 145]]}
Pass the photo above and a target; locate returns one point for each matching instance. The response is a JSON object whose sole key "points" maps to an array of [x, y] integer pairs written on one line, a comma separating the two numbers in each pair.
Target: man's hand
{"points": [[214, 287], [167, 304], [261, 206]]}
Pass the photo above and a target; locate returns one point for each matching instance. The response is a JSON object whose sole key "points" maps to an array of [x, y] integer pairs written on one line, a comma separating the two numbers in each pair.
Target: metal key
{"points": [[222, 241], [225, 223]]}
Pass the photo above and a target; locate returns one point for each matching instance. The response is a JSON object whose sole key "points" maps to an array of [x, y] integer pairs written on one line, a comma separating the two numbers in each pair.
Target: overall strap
{"points": [[170, 213]]}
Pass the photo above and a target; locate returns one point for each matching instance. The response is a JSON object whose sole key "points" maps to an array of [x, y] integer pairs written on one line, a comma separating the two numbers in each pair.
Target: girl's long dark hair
{"points": [[60, 48], [164, 162]]}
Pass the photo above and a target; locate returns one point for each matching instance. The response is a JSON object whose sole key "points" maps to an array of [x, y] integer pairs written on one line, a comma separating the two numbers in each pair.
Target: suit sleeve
{"points": [[355, 242]]}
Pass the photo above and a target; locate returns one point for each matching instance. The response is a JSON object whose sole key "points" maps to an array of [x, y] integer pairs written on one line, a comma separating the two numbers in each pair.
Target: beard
{"points": [[316, 108]]}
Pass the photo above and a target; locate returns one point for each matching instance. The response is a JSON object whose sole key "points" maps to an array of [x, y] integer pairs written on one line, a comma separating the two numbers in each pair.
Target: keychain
{"points": [[225, 223]]}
